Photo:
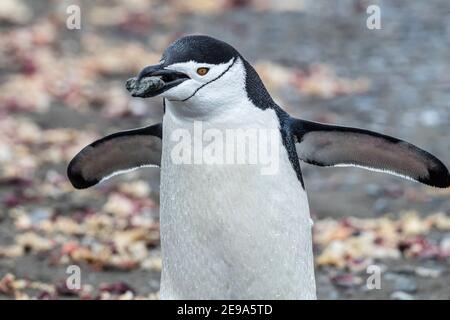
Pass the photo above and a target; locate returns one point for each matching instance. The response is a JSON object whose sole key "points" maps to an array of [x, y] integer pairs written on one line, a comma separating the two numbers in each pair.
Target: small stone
{"points": [[144, 87], [400, 295], [381, 206], [373, 190], [430, 118], [39, 214], [402, 283], [445, 246]]}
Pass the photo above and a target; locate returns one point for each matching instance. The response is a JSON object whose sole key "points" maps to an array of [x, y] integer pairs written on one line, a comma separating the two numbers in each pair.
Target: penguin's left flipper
{"points": [[328, 145], [119, 152]]}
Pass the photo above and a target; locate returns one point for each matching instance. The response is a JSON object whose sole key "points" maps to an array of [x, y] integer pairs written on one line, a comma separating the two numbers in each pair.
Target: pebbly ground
{"points": [[408, 65]]}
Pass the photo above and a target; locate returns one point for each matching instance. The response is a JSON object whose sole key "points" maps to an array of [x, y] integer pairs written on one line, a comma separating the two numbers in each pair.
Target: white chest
{"points": [[228, 230]]}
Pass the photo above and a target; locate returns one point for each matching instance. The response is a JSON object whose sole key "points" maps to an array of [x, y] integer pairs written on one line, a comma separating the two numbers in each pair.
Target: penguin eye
{"points": [[202, 71]]}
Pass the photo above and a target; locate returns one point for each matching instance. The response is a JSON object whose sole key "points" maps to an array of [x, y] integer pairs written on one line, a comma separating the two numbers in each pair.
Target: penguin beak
{"points": [[169, 79]]}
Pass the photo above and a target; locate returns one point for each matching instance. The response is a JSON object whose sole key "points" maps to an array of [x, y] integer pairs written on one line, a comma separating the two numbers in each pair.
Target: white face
{"points": [[205, 93]]}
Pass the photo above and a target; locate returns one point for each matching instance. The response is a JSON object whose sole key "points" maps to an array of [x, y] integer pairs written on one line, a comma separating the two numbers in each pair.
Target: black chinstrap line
{"points": [[218, 77]]}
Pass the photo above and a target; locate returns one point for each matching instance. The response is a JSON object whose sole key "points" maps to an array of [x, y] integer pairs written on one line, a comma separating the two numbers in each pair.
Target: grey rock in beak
{"points": [[145, 86]]}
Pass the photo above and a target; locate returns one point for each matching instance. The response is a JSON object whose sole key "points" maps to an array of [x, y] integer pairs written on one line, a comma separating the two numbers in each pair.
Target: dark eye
{"points": [[202, 71]]}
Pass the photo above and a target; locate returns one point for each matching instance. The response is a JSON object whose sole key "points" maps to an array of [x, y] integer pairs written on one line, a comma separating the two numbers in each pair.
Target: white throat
{"points": [[227, 231], [220, 97]]}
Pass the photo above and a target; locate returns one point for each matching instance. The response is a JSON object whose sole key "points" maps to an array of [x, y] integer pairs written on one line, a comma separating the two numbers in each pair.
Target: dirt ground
{"points": [[319, 61]]}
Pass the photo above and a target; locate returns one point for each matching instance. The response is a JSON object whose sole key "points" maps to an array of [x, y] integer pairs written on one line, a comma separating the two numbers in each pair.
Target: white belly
{"points": [[229, 232]]}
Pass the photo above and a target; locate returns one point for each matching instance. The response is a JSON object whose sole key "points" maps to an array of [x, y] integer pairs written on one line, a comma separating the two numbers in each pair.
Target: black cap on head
{"points": [[199, 48]]}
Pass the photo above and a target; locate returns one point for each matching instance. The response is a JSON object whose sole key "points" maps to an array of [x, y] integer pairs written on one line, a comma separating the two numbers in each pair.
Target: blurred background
{"points": [[60, 89]]}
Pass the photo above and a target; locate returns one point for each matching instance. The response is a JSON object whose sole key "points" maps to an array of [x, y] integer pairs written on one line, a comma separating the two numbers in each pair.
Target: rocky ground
{"points": [[60, 89]]}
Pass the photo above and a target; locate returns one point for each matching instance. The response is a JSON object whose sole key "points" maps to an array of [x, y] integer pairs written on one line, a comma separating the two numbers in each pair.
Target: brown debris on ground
{"points": [[61, 89]]}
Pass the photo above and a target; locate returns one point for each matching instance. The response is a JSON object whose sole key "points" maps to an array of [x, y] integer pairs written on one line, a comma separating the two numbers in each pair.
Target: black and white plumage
{"points": [[228, 231]]}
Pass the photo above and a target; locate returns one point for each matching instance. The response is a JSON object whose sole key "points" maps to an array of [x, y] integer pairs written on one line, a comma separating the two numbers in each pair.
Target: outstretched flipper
{"points": [[117, 153], [327, 145]]}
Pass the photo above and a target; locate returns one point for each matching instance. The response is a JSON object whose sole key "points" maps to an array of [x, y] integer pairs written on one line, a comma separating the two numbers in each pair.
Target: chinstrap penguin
{"points": [[228, 231]]}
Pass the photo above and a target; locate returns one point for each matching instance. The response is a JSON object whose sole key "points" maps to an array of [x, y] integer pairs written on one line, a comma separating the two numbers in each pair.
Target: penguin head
{"points": [[200, 74]]}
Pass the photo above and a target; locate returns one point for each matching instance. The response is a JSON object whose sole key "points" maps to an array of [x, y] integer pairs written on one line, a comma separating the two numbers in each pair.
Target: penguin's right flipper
{"points": [[114, 154], [327, 145]]}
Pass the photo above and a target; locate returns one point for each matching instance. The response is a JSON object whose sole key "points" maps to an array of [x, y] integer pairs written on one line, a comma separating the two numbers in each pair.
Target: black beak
{"points": [[154, 80]]}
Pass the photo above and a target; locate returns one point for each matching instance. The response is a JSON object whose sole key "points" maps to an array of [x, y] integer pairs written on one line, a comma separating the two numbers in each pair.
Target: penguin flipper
{"points": [[114, 154], [327, 145]]}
